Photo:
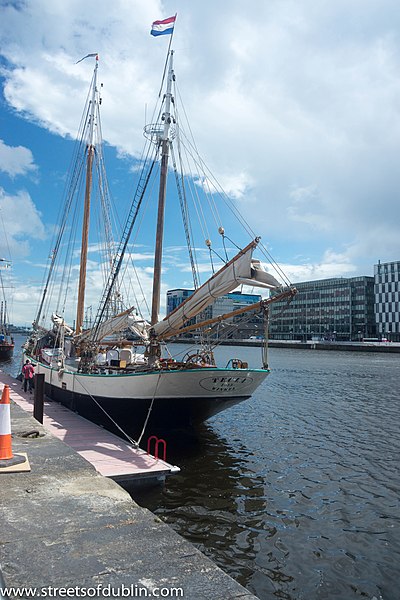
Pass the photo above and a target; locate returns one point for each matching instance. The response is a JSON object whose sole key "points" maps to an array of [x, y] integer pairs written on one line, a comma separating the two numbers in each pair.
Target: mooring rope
{"points": [[150, 409], [128, 437], [135, 443]]}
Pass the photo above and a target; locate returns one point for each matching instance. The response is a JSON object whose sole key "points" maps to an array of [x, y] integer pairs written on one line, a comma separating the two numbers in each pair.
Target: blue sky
{"points": [[295, 105]]}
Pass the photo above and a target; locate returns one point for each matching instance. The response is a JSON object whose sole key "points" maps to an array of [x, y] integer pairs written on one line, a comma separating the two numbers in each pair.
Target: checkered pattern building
{"points": [[387, 299]]}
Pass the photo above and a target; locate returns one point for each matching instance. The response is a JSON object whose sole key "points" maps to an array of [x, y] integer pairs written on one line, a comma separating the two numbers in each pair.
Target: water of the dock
{"points": [[65, 526]]}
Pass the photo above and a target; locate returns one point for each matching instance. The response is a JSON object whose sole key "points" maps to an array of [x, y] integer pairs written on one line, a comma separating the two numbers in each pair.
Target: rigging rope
{"points": [[130, 260], [209, 178], [69, 194], [186, 222], [117, 262], [4, 318]]}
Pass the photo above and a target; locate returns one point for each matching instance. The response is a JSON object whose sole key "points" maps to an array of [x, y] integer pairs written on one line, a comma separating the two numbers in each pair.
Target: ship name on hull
{"points": [[225, 384]]}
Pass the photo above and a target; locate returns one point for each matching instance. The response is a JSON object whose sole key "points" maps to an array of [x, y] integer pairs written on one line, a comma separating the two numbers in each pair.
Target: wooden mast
{"points": [[86, 209], [155, 307]]}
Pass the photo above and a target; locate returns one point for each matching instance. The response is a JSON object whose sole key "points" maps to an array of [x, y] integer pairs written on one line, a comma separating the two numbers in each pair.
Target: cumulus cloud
{"points": [[16, 160], [20, 222], [23, 302], [331, 265]]}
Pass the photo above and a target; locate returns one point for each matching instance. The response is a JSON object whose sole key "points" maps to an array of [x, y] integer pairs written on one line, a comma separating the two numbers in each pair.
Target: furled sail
{"points": [[242, 269], [125, 320], [59, 322]]}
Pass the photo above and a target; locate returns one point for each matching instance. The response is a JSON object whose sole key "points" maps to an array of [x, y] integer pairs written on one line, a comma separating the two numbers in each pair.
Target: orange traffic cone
{"points": [[5, 425], [8, 461]]}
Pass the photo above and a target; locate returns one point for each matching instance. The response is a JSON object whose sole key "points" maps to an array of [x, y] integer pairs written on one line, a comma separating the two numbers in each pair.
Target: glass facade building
{"points": [[339, 309]]}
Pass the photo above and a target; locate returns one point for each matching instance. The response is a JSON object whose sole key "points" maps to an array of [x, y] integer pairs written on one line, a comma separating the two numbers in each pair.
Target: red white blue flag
{"points": [[163, 27]]}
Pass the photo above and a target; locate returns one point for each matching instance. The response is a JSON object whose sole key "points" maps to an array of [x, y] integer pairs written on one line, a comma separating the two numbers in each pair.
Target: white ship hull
{"points": [[181, 397]]}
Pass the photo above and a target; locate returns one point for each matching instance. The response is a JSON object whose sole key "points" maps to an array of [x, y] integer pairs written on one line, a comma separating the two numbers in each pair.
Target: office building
{"points": [[387, 300], [328, 309]]}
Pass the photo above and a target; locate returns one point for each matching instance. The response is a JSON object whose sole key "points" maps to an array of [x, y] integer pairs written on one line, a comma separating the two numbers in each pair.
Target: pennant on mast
{"points": [[88, 56]]}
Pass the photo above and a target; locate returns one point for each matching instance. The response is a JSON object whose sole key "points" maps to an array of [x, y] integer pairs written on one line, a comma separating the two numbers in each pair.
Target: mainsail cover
{"points": [[242, 269]]}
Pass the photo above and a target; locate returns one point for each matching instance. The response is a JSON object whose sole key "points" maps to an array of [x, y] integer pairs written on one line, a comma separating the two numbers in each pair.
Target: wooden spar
{"points": [[86, 211], [155, 307], [290, 293], [85, 243]]}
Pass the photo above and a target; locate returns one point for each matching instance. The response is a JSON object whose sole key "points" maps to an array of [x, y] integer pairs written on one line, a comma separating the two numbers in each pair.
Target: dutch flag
{"points": [[163, 27]]}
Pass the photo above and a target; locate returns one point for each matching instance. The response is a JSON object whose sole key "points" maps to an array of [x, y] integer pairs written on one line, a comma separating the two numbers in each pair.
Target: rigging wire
{"points": [[144, 178], [117, 261], [105, 225], [200, 181], [210, 178], [133, 242], [69, 193], [186, 222], [192, 143], [7, 263], [66, 274], [223, 242]]}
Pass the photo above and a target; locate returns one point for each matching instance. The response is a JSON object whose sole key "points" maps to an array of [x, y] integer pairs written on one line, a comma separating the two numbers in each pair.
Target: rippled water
{"points": [[295, 493]]}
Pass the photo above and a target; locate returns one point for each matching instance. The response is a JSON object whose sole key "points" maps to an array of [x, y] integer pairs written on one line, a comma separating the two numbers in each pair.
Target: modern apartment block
{"points": [[387, 299], [332, 309], [237, 327]]}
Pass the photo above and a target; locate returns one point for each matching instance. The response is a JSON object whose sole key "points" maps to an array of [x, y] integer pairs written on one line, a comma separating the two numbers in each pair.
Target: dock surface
{"points": [[110, 455], [66, 527]]}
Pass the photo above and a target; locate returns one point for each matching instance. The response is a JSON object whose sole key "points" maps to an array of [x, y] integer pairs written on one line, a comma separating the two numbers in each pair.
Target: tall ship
{"points": [[121, 362]]}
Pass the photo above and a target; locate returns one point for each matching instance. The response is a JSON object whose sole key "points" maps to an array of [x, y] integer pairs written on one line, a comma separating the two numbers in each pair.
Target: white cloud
{"points": [[307, 207], [16, 160], [20, 221], [22, 301], [331, 265]]}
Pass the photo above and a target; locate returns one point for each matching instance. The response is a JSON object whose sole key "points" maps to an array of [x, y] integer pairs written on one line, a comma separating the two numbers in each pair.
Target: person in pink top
{"points": [[28, 373]]}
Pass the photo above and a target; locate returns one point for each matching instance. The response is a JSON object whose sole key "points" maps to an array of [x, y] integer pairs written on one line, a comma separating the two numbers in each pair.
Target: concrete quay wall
{"points": [[386, 347], [389, 347], [65, 526]]}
